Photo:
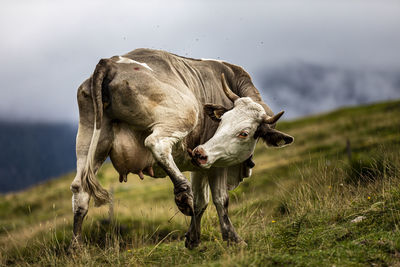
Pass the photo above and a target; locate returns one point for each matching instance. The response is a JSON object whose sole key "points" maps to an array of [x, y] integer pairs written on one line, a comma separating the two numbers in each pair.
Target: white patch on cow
{"points": [[80, 201], [125, 60], [225, 147], [211, 59]]}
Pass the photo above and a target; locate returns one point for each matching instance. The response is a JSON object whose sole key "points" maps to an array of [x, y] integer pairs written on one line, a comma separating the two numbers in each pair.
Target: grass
{"points": [[296, 210]]}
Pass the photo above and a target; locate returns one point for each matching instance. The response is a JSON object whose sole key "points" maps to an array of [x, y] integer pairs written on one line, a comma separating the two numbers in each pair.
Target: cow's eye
{"points": [[243, 134]]}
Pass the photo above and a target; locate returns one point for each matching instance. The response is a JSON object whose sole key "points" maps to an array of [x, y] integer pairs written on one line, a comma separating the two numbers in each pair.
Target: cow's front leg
{"points": [[219, 191], [201, 198], [161, 148]]}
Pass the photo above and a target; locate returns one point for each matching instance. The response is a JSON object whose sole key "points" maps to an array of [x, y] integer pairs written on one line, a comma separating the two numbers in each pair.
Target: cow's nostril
{"points": [[200, 155], [202, 160]]}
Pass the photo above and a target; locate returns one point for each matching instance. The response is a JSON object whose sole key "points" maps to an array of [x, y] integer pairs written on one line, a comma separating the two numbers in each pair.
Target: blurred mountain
{"points": [[302, 88], [34, 152]]}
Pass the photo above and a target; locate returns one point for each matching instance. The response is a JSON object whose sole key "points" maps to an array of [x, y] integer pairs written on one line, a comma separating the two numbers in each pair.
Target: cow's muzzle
{"points": [[198, 155]]}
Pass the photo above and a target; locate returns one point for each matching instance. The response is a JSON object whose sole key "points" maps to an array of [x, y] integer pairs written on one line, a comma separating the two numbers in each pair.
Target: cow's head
{"points": [[238, 131]]}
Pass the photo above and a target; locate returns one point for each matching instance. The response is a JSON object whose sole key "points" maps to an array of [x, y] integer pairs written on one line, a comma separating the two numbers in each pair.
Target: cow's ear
{"points": [[273, 137], [215, 111]]}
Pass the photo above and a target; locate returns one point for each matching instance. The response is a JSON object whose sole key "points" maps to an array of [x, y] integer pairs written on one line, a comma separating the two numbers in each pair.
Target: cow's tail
{"points": [[89, 180]]}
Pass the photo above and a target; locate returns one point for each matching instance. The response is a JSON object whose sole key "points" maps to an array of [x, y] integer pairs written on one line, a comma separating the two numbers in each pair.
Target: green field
{"points": [[296, 209]]}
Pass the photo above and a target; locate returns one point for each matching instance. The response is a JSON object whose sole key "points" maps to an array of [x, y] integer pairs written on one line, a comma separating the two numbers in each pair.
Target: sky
{"points": [[49, 48]]}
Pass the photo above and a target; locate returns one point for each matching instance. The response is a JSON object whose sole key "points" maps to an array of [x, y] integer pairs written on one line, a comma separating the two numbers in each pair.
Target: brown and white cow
{"points": [[147, 108]]}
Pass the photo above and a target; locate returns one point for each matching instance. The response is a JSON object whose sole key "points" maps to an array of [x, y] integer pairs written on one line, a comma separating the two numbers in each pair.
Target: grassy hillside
{"points": [[332, 198]]}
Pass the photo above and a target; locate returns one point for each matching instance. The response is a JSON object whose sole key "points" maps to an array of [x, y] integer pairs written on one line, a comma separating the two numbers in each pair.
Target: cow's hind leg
{"points": [[201, 198], [161, 148], [81, 196], [80, 207], [219, 191]]}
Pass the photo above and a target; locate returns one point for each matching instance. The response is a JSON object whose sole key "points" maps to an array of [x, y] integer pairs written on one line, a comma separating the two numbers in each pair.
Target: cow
{"points": [[159, 114]]}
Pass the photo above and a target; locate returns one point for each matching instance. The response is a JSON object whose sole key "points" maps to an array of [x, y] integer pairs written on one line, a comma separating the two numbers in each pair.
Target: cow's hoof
{"points": [[184, 199], [189, 243]]}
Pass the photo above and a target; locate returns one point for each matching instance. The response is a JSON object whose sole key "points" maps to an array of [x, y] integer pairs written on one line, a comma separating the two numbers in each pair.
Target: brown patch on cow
{"points": [[157, 97], [116, 58], [215, 112], [192, 116], [136, 68], [190, 119]]}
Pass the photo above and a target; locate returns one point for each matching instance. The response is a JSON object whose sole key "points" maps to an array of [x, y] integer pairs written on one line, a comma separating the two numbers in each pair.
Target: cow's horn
{"points": [[272, 119], [231, 95]]}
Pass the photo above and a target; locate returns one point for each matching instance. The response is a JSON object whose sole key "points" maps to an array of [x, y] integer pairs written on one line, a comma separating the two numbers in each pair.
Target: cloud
{"points": [[304, 88]]}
